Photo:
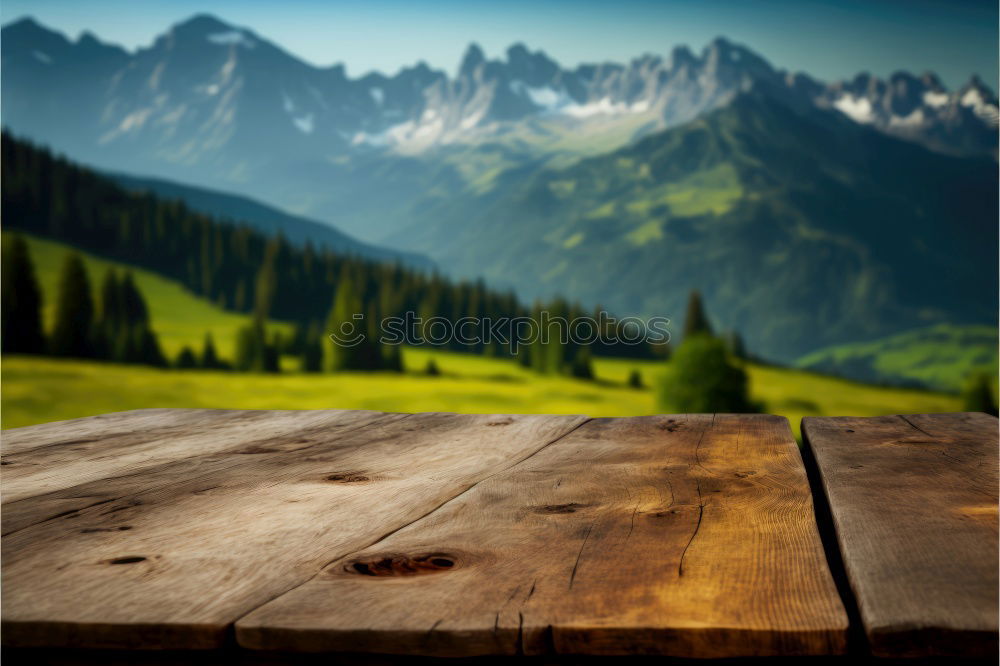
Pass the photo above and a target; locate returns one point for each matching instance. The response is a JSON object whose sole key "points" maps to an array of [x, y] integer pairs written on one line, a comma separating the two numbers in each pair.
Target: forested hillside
{"points": [[801, 228], [239, 268]]}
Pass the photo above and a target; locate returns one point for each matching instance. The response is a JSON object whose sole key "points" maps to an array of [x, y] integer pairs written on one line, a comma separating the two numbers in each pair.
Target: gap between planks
{"points": [[758, 583]]}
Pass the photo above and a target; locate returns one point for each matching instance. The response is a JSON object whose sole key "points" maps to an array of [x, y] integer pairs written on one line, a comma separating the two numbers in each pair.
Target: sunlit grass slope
{"points": [[36, 390], [941, 356], [179, 317]]}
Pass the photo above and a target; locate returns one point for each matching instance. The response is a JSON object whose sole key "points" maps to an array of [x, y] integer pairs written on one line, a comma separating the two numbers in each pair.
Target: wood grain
{"points": [[45, 458], [174, 564], [204, 434], [690, 536], [914, 502]]}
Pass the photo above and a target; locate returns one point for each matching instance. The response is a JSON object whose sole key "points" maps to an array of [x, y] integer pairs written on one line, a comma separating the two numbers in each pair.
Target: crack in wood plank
{"points": [[697, 526], [576, 563], [767, 592], [915, 427]]}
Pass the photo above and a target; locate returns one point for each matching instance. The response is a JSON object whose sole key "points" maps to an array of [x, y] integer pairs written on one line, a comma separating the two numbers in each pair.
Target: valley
{"points": [[820, 221]]}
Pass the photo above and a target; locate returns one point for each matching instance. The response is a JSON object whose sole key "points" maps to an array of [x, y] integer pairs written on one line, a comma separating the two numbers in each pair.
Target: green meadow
{"points": [[39, 389], [36, 389]]}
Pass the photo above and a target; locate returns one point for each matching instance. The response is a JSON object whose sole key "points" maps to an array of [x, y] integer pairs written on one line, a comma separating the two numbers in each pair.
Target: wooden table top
{"points": [[463, 535]]}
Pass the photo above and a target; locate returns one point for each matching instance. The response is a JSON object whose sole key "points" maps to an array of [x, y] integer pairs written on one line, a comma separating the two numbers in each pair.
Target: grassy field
{"points": [[36, 390], [178, 316]]}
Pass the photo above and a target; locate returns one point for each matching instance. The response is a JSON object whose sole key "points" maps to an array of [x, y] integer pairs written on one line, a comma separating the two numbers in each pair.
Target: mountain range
{"points": [[800, 227], [808, 213]]}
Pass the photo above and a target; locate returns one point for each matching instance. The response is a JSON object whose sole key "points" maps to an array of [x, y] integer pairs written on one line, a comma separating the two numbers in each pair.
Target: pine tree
{"points": [[312, 350], [977, 396], [71, 335], [112, 303], [133, 304], [581, 367], [110, 318], [266, 285], [209, 358], [353, 348], [734, 343], [247, 353], [151, 353], [695, 320], [272, 355], [253, 352], [21, 300], [123, 332]]}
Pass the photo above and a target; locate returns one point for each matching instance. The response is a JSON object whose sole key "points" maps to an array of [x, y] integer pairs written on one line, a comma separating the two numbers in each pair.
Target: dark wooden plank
{"points": [[914, 503], [689, 536], [174, 564]]}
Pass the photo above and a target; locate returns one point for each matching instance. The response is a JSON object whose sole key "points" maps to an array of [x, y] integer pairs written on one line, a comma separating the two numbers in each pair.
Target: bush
{"points": [[186, 360], [701, 379], [635, 379], [977, 395]]}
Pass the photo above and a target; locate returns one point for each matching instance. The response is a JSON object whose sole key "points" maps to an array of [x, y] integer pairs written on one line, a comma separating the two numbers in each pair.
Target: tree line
{"points": [[243, 270], [114, 327]]}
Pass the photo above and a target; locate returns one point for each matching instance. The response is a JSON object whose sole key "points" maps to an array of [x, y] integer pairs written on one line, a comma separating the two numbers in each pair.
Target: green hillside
{"points": [[940, 357], [802, 229], [179, 317]]}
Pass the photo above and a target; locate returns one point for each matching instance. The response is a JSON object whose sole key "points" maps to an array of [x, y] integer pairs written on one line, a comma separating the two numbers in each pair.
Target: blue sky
{"points": [[827, 39]]}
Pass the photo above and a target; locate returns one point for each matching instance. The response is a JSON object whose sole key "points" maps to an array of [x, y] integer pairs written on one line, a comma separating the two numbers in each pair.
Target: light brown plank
{"points": [[914, 502], [112, 424], [690, 536], [204, 441], [217, 544], [51, 457]]}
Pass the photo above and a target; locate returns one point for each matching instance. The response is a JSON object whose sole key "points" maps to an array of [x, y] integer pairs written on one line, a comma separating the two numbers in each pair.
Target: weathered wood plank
{"points": [[914, 502], [41, 459], [18, 440], [689, 536], [203, 439], [175, 565]]}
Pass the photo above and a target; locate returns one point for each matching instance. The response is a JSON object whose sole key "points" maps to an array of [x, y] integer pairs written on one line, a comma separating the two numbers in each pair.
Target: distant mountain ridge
{"points": [[208, 92]]}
